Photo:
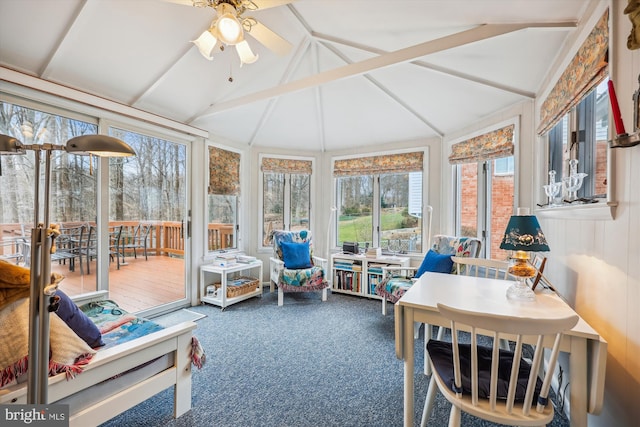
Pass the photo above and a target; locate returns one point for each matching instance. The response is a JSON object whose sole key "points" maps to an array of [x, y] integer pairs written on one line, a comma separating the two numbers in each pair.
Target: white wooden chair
{"points": [[476, 379], [481, 267], [478, 267]]}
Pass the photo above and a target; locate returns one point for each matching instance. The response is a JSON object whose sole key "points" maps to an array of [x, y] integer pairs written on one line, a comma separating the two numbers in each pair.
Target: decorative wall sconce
{"points": [[623, 139]]}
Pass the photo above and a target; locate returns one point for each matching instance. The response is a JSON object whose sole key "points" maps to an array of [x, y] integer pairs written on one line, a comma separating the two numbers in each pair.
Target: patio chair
{"points": [[293, 267], [115, 247], [68, 246], [485, 381], [14, 250], [139, 240], [397, 280]]}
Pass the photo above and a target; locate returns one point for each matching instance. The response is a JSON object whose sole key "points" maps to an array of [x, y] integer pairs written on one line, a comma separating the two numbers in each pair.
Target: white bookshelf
{"points": [[358, 274]]}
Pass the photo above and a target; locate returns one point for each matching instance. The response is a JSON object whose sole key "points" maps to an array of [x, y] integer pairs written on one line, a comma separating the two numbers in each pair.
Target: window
{"points": [[484, 166], [582, 135], [503, 166], [73, 185], [223, 199], [355, 208], [286, 195], [379, 201], [575, 117]]}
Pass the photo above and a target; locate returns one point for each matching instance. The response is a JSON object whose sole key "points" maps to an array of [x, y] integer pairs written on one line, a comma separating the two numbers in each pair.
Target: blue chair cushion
{"points": [[435, 262], [69, 312], [296, 255]]}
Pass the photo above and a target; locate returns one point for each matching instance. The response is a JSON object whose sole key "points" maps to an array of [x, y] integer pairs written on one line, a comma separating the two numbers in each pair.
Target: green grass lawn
{"points": [[358, 229]]}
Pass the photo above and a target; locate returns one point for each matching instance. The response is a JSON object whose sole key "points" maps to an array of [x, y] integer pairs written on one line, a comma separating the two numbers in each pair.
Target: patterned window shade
{"points": [[224, 172], [585, 71], [491, 145], [273, 165], [392, 163]]}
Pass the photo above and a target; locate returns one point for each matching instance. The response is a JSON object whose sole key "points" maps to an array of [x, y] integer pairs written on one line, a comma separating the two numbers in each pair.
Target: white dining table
{"points": [[587, 349]]}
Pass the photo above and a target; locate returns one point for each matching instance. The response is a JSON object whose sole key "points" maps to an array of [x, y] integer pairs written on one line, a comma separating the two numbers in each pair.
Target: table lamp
{"points": [[523, 235]]}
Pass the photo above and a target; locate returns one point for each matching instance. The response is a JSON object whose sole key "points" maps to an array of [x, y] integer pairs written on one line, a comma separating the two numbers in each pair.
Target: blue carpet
{"points": [[308, 363]]}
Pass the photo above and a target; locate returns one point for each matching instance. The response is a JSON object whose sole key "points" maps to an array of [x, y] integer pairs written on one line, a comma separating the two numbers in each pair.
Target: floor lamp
{"points": [[42, 237], [328, 241]]}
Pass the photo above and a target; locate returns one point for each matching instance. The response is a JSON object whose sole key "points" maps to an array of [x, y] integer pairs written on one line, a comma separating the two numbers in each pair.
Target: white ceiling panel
{"points": [[351, 79]]}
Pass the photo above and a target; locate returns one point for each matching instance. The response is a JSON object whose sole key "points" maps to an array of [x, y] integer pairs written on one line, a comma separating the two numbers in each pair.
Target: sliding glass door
{"points": [[73, 190], [148, 230]]}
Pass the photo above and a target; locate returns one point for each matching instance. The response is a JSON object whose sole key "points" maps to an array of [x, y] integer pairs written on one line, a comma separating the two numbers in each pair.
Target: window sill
{"points": [[602, 210]]}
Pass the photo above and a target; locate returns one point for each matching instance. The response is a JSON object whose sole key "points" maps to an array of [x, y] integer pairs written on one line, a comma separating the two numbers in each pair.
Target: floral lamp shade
{"points": [[522, 235]]}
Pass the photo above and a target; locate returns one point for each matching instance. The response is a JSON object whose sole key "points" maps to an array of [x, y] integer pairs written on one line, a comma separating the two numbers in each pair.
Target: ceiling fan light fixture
{"points": [[228, 26], [245, 53], [205, 44]]}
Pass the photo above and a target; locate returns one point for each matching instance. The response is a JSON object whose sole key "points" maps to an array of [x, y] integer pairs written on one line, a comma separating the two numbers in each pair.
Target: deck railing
{"points": [[165, 239]]}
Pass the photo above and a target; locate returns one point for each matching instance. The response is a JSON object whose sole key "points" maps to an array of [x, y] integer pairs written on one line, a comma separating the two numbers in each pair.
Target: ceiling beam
{"points": [[430, 66], [408, 54]]}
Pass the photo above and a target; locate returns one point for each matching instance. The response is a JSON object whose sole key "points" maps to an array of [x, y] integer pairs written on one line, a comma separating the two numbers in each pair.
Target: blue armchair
{"points": [[293, 267]]}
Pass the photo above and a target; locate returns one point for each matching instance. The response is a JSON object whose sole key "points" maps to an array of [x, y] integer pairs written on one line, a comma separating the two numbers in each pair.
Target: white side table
{"points": [[223, 273]]}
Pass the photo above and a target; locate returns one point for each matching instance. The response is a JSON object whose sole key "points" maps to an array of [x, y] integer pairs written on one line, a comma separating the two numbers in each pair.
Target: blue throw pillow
{"points": [[435, 262], [69, 312], [296, 255]]}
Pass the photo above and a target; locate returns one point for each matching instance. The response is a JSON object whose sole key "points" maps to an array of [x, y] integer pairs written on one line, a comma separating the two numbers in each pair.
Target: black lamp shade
{"points": [[523, 233]]}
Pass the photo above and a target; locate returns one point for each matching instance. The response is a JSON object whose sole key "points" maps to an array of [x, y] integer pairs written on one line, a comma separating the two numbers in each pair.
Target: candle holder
{"points": [[552, 190], [573, 182], [623, 139]]}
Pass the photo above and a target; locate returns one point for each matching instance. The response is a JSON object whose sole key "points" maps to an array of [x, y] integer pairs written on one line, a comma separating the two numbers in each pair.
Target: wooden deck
{"points": [[136, 286]]}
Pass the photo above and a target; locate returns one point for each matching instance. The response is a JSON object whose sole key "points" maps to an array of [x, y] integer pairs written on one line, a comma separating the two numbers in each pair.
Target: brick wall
{"points": [[501, 206]]}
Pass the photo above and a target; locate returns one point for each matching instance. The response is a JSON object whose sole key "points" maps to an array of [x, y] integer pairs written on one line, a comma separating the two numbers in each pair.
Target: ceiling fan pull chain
{"points": [[230, 72]]}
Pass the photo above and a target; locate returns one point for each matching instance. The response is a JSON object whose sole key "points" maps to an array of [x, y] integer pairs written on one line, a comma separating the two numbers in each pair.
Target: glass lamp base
{"points": [[519, 291]]}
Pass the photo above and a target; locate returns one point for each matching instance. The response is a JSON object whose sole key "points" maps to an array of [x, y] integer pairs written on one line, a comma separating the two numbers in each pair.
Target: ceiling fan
{"points": [[231, 25]]}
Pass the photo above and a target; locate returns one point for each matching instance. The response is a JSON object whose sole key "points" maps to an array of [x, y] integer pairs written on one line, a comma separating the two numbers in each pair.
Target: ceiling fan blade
{"points": [[183, 2], [270, 39], [265, 4]]}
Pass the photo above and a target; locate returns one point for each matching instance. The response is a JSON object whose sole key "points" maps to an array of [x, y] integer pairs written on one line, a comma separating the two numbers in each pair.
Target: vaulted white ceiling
{"points": [[360, 73]]}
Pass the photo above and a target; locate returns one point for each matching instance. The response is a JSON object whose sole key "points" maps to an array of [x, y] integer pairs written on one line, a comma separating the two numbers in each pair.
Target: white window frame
{"points": [[287, 197], [375, 218]]}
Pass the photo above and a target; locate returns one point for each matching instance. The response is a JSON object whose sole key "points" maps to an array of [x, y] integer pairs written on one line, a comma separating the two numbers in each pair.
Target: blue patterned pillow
{"points": [[435, 262], [296, 255]]}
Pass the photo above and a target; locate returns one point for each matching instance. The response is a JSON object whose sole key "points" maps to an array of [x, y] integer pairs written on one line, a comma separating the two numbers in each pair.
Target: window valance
{"points": [[390, 163], [587, 68], [294, 166], [491, 145], [224, 172]]}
